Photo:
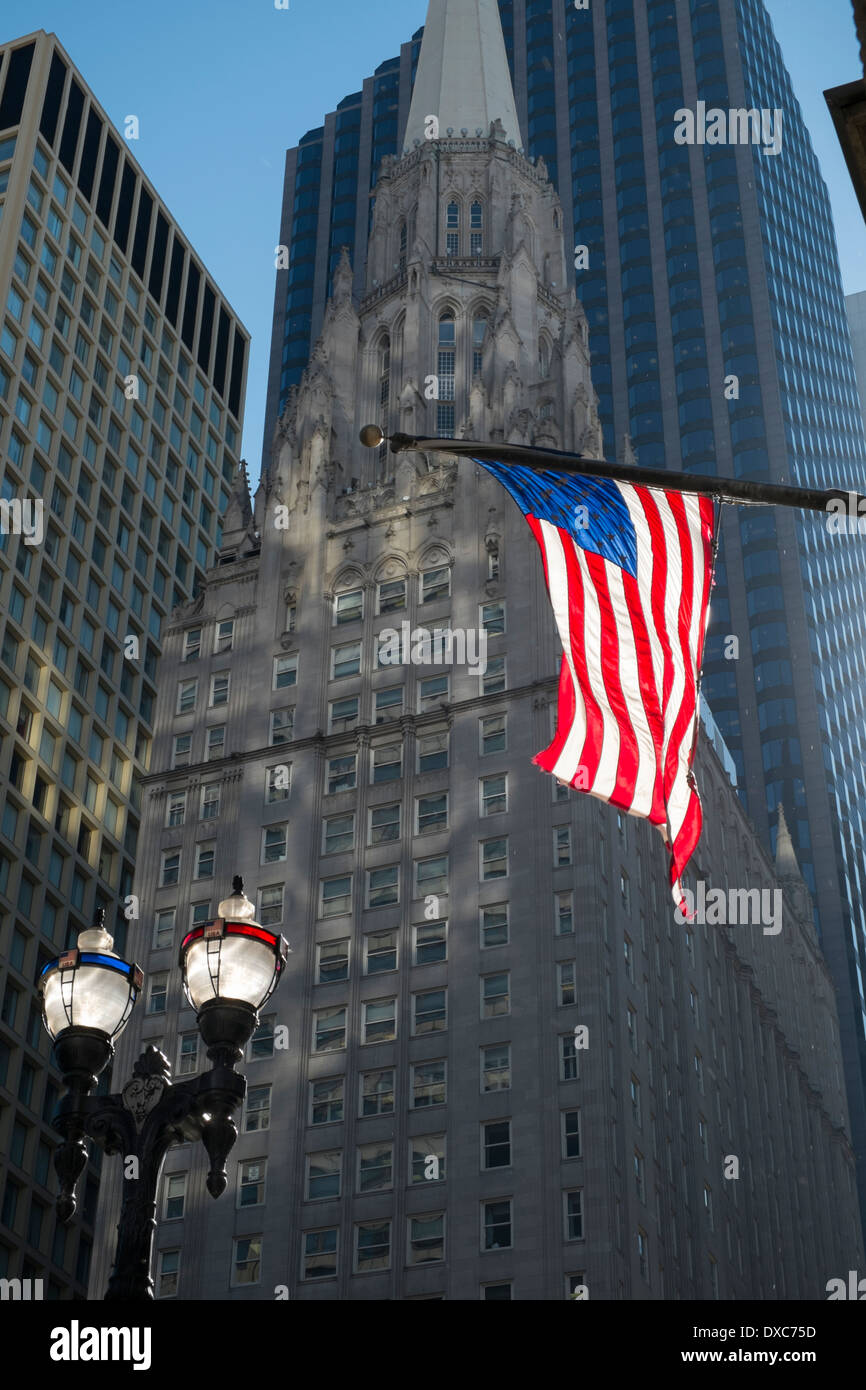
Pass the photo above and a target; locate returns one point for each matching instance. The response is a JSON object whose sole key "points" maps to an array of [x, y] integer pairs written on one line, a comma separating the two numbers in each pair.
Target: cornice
{"points": [[328, 741]]}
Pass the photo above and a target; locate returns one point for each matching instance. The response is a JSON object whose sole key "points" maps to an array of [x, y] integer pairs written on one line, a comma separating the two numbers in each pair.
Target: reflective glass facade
{"points": [[331, 175], [719, 345], [122, 371], [824, 445], [305, 220]]}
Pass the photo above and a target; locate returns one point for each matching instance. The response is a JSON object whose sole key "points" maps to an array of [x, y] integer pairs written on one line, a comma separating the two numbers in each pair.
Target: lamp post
{"points": [[231, 966]]}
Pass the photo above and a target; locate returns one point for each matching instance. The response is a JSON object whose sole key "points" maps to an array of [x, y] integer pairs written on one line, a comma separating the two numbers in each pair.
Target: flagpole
{"points": [[739, 490]]}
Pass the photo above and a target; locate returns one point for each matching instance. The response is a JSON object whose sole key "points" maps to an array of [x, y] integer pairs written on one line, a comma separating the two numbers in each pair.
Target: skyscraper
{"points": [[855, 304], [122, 371], [496, 1068], [719, 345]]}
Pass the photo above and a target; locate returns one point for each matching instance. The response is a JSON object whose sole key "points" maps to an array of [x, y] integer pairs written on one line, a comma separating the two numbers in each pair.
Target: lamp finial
{"points": [[97, 937]]}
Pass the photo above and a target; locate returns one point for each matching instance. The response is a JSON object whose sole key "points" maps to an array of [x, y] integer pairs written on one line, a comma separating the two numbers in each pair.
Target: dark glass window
{"points": [[207, 315], [222, 348], [53, 98], [238, 356], [15, 88], [142, 233], [175, 276], [110, 162], [89, 153], [71, 126], [124, 207], [157, 264], [190, 308]]}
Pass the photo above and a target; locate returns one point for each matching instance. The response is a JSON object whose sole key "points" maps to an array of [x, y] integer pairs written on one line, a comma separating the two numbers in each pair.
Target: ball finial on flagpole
{"points": [[372, 436]]}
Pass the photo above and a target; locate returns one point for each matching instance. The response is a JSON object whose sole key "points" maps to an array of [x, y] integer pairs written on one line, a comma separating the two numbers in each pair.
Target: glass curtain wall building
{"points": [[719, 344], [122, 372]]}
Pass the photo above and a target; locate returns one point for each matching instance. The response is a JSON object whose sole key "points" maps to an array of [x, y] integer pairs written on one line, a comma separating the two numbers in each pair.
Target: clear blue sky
{"points": [[223, 87]]}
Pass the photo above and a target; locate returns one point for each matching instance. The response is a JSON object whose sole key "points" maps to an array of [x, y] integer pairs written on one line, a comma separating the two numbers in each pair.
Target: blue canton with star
{"points": [[556, 497]]}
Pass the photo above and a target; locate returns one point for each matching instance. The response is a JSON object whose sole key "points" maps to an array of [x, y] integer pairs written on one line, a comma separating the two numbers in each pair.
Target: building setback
{"points": [[719, 344], [422, 1119], [122, 373]]}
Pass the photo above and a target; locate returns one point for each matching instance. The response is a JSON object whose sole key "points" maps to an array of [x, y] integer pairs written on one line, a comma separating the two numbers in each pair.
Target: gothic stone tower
{"points": [[467, 324]]}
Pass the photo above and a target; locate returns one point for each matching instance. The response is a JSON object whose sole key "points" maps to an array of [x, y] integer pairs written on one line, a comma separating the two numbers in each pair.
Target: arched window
{"points": [[479, 333], [384, 394], [452, 230], [404, 244], [543, 360], [384, 380], [445, 368], [476, 229]]}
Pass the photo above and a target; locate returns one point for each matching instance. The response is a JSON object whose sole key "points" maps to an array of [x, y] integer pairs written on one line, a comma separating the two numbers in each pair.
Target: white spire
{"points": [[786, 858], [463, 77]]}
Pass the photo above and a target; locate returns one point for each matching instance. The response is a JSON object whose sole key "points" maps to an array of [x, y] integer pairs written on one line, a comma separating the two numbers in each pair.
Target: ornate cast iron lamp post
{"points": [[231, 966]]}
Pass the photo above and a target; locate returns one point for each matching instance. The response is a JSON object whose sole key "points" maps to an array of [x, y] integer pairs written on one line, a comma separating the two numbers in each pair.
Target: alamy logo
{"points": [[440, 647], [22, 518], [76, 1343], [734, 127], [21, 1290], [846, 516], [733, 907], [855, 1289]]}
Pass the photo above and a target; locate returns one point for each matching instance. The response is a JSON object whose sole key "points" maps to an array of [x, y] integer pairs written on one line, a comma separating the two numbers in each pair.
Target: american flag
{"points": [[628, 570]]}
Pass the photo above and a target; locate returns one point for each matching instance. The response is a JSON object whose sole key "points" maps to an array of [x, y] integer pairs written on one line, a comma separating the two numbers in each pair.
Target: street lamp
{"points": [[231, 967]]}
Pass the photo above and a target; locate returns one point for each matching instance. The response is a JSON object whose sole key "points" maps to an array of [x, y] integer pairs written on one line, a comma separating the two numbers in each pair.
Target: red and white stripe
{"points": [[632, 649]]}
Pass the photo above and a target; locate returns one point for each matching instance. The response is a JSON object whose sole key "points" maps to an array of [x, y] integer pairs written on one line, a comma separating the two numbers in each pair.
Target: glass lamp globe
{"points": [[232, 958], [90, 986]]}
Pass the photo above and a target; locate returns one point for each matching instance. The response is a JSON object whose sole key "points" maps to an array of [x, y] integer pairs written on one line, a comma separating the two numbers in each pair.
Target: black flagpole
{"points": [[739, 490]]}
